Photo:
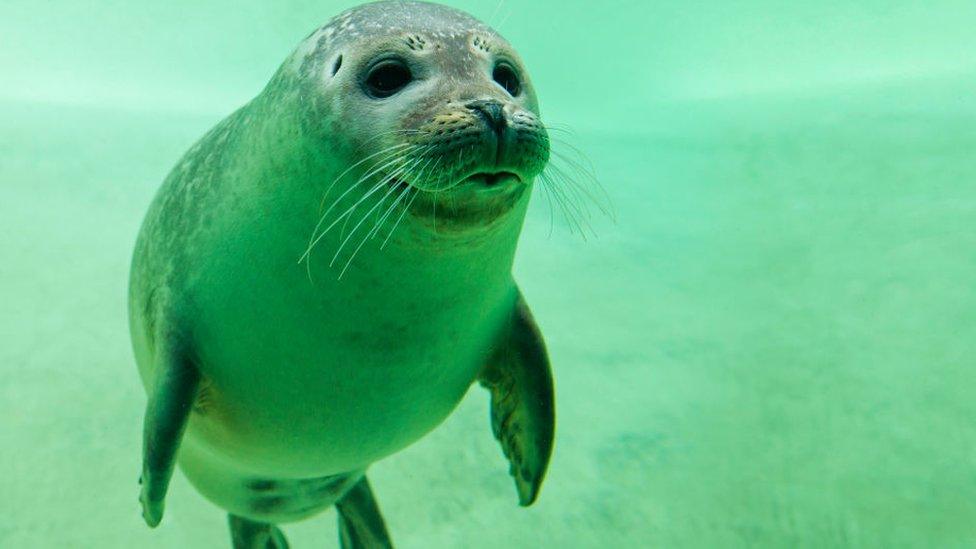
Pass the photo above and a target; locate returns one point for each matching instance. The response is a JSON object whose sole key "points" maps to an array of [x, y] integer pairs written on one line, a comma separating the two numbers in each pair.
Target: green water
{"points": [[773, 346]]}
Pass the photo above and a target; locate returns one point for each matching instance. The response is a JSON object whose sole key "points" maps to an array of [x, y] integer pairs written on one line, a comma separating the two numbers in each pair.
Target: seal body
{"points": [[324, 274], [306, 379]]}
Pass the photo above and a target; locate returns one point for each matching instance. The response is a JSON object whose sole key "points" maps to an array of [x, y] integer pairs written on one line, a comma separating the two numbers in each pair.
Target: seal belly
{"points": [[295, 391]]}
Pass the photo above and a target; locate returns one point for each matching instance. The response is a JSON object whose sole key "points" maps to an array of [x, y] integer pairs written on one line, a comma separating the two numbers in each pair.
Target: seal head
{"points": [[439, 105]]}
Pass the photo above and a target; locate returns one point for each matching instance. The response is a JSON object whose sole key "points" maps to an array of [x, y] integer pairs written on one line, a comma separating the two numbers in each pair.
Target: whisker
{"points": [[373, 231], [587, 174], [560, 128], [504, 19], [494, 13], [400, 170], [344, 218], [572, 189], [386, 214], [575, 198], [406, 208], [385, 180], [548, 184], [312, 239], [315, 239], [390, 132], [570, 210], [545, 189], [406, 176], [399, 151], [570, 183], [418, 177], [350, 168]]}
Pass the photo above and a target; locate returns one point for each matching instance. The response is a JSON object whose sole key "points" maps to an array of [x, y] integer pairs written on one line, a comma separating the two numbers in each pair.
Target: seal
{"points": [[322, 277]]}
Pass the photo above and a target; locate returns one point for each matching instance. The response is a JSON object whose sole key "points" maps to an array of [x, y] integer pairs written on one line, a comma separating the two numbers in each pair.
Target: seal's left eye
{"points": [[387, 78], [507, 78]]}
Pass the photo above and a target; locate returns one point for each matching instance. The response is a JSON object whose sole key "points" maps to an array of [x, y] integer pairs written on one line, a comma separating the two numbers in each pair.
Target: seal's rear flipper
{"points": [[170, 399], [361, 525], [522, 402], [248, 534]]}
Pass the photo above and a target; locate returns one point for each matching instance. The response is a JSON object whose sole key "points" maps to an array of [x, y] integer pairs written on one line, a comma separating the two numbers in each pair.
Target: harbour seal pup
{"points": [[287, 341]]}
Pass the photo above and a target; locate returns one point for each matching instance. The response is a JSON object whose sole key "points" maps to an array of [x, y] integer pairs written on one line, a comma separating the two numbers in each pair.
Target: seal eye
{"points": [[507, 78], [387, 78]]}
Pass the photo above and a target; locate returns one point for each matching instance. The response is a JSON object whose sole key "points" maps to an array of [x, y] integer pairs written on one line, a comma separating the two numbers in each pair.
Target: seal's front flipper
{"points": [[361, 525], [522, 402], [248, 534], [170, 400]]}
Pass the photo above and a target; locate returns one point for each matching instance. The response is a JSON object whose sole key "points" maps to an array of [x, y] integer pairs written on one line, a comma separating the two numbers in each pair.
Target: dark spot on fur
{"points": [[149, 314], [416, 42], [482, 44], [262, 485], [328, 485], [309, 507], [204, 397], [268, 504]]}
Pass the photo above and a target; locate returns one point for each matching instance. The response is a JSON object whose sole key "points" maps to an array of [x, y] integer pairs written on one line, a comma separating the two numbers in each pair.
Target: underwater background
{"points": [[773, 344]]}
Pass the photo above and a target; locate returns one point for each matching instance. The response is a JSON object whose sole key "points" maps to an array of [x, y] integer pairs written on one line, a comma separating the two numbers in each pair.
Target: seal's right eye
{"points": [[387, 78]]}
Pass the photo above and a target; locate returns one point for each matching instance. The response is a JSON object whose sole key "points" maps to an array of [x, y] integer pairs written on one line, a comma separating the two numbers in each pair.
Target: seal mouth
{"points": [[483, 180], [491, 179]]}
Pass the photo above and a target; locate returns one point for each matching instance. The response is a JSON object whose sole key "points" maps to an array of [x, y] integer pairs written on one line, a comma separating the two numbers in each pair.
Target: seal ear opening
{"points": [[336, 65]]}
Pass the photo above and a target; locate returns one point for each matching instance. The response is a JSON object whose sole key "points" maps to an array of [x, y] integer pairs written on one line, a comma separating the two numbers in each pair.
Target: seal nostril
{"points": [[492, 112]]}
